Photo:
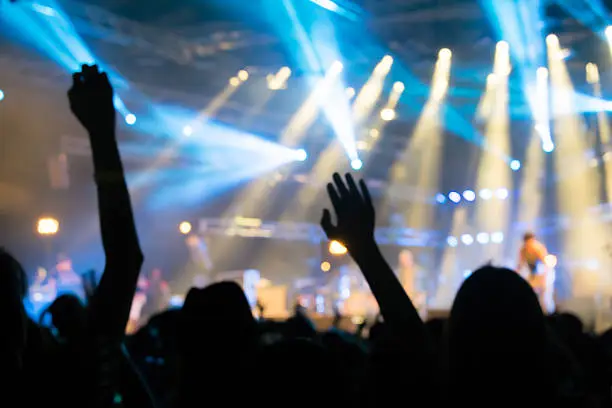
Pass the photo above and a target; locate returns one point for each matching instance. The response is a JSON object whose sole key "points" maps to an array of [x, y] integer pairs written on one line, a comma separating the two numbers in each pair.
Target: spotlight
{"points": [[502, 193], [608, 32], [548, 147], [445, 53], [336, 67], [452, 241], [440, 198], [187, 130], [399, 87], [185, 227], [482, 238], [497, 237], [384, 66], [356, 164], [337, 248], [467, 239], [47, 226], [502, 46], [243, 75], [374, 133], [552, 40], [454, 197], [387, 114], [486, 194], [234, 81], [301, 155], [515, 165], [325, 266], [592, 73], [387, 59], [469, 195], [1, 95], [130, 119]]}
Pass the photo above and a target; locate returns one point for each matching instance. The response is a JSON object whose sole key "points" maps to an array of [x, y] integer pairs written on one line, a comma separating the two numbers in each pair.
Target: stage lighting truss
{"points": [[294, 231]]}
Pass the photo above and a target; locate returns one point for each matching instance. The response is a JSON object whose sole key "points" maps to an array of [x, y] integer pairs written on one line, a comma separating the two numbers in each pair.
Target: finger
{"points": [[326, 223], [353, 190], [77, 78], [342, 190], [91, 73], [334, 197], [87, 70], [86, 73], [104, 78], [365, 193], [105, 81]]}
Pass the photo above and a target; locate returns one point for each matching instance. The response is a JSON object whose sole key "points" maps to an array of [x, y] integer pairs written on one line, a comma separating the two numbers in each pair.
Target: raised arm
{"points": [[91, 101], [355, 229]]}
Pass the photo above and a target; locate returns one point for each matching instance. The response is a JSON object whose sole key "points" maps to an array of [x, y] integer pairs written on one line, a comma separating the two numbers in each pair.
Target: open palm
{"points": [[354, 213]]}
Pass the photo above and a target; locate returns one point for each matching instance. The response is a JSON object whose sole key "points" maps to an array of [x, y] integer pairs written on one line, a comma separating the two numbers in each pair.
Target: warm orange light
{"points": [[336, 248], [47, 226], [325, 266], [185, 227]]}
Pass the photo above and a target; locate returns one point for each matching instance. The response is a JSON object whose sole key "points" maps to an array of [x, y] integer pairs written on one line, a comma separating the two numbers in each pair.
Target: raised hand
{"points": [[91, 100], [354, 214]]}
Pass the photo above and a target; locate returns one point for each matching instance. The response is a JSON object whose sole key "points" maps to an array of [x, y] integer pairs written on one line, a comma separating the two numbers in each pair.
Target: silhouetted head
{"points": [[217, 343], [68, 316], [12, 276], [497, 339], [528, 236], [218, 315], [13, 287]]}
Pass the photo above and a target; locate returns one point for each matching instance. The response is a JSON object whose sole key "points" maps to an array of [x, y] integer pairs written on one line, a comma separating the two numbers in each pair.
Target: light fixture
{"points": [[243, 75], [185, 227], [130, 119], [356, 164], [387, 114]]}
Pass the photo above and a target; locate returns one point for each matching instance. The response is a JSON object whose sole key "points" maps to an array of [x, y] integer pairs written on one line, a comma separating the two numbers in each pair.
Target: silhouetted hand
{"points": [[91, 100], [354, 214]]}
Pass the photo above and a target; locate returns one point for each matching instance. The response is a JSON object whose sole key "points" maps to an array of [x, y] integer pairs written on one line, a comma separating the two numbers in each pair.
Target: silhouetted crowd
{"points": [[497, 348]]}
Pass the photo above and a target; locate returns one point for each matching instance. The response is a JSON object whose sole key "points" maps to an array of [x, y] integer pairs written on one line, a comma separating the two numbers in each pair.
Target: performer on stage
{"points": [[140, 299], [157, 294], [533, 254], [408, 274], [67, 281]]}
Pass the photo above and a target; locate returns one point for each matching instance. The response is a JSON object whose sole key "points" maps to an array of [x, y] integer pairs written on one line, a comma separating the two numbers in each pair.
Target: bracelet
{"points": [[109, 177]]}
